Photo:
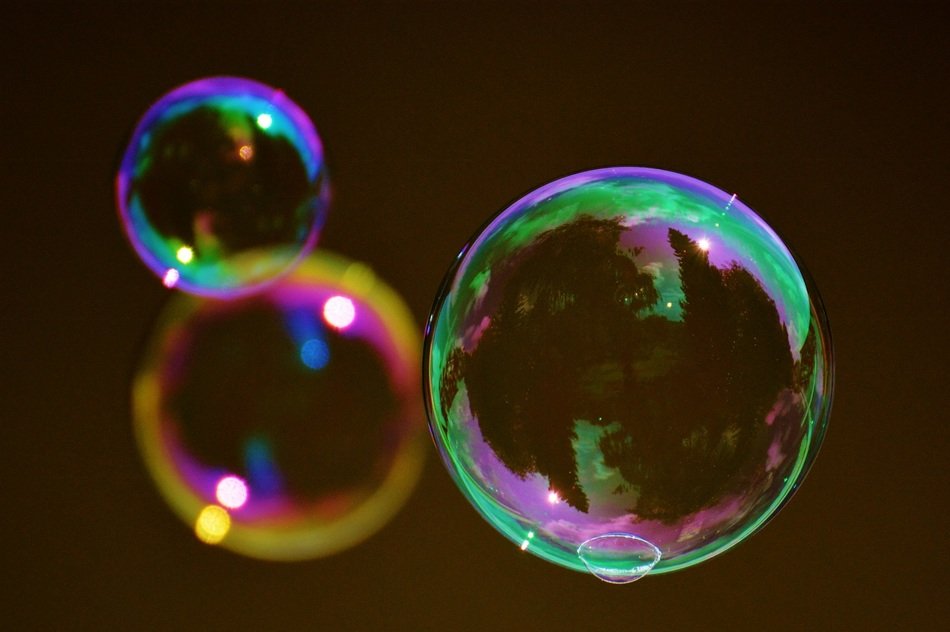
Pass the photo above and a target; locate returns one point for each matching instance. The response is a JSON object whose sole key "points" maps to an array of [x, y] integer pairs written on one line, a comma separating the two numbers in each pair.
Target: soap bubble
{"points": [[270, 431], [222, 187], [627, 371]]}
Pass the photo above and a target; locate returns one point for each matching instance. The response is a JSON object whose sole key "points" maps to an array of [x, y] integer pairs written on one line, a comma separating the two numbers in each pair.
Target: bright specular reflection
{"points": [[213, 524], [185, 254], [630, 364], [339, 312], [171, 278], [231, 492], [271, 431]]}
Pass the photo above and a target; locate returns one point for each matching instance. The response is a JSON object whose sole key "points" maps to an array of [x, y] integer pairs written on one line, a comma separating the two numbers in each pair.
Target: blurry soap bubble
{"points": [[627, 371], [223, 186], [273, 432]]}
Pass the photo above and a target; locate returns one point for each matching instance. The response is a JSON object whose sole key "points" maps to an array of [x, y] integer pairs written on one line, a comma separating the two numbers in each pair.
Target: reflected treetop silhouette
{"points": [[577, 336]]}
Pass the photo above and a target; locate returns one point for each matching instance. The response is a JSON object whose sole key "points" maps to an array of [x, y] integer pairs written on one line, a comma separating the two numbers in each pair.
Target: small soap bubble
{"points": [[222, 187], [618, 558], [273, 433], [627, 372]]}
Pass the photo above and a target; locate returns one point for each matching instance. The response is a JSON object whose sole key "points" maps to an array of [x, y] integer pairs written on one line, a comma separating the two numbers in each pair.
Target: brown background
{"points": [[830, 121]]}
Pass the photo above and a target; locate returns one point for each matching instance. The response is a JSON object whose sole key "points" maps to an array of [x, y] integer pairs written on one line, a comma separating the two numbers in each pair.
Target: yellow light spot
{"points": [[669, 304], [704, 244], [213, 524], [246, 152], [185, 254], [264, 120]]}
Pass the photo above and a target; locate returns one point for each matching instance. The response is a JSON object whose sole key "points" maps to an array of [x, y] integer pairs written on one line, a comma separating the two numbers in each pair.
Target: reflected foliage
{"points": [[196, 183], [577, 336]]}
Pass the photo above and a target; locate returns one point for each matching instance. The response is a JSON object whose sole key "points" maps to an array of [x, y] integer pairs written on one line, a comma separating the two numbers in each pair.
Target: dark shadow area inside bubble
{"points": [[243, 399], [682, 404], [200, 184]]}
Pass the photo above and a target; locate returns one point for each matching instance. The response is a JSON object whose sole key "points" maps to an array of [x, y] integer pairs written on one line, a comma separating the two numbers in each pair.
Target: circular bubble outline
{"points": [[506, 521], [309, 538], [289, 121]]}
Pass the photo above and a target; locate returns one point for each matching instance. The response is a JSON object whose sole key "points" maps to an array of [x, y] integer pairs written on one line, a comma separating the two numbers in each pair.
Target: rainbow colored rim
{"points": [[249, 271], [277, 530], [643, 194]]}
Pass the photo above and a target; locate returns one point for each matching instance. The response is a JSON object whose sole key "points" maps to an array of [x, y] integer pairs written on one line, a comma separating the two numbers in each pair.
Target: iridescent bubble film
{"points": [[222, 186], [627, 371], [288, 424]]}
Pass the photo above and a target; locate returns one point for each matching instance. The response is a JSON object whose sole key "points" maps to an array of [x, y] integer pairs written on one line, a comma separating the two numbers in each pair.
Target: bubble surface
{"points": [[273, 434], [624, 361], [222, 187]]}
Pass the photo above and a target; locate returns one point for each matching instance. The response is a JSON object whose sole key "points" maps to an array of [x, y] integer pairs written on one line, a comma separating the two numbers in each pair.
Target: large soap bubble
{"points": [[222, 187], [288, 424], [626, 371]]}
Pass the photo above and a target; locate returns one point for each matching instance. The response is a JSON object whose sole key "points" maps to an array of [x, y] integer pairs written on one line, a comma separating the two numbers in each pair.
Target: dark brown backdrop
{"points": [[829, 121]]}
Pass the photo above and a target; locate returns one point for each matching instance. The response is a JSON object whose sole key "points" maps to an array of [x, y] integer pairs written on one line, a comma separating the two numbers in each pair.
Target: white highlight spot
{"points": [[231, 492], [704, 244], [339, 312], [264, 120], [171, 277], [185, 254], [553, 498]]}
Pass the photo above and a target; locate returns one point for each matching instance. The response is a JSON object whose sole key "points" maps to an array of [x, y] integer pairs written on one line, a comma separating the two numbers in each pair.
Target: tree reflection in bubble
{"points": [[628, 351]]}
